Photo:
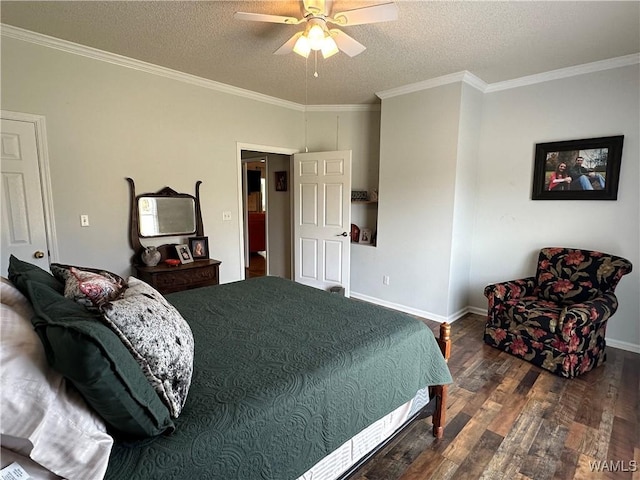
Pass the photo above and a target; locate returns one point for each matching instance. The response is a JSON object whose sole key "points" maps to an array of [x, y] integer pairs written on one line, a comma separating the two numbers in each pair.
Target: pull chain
{"points": [[315, 74]]}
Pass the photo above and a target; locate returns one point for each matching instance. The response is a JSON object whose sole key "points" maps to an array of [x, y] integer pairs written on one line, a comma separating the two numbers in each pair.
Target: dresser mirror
{"points": [[162, 214], [165, 216]]}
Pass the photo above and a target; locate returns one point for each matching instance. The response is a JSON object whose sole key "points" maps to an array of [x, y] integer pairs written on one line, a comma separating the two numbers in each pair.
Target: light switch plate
{"points": [[84, 220]]}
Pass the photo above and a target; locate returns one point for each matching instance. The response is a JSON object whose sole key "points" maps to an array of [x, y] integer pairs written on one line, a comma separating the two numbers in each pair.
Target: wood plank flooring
{"points": [[507, 419]]}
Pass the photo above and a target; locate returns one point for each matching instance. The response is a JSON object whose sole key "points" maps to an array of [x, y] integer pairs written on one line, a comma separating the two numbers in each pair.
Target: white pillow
{"points": [[42, 417], [158, 338]]}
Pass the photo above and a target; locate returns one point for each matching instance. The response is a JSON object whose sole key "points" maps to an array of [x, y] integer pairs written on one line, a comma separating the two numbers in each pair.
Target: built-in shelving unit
{"points": [[364, 214]]}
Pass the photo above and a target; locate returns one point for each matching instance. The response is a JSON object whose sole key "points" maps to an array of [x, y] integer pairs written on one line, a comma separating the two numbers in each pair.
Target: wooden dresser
{"points": [[168, 279]]}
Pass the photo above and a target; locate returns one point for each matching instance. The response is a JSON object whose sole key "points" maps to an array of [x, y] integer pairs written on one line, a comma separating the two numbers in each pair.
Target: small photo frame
{"points": [[184, 254], [199, 247], [365, 236], [281, 181]]}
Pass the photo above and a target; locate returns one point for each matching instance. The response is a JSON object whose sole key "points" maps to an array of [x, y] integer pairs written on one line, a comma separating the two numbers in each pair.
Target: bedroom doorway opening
{"points": [[266, 213]]}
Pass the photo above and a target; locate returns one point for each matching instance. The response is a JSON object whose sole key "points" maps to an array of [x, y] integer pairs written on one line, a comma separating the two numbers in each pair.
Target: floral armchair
{"points": [[557, 319]]}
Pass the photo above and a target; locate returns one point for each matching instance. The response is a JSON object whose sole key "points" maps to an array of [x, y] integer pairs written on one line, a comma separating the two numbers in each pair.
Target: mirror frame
{"points": [[166, 192]]}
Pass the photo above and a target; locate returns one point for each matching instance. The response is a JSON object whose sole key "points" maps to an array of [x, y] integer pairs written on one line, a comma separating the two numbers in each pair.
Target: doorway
{"points": [[256, 213], [266, 213]]}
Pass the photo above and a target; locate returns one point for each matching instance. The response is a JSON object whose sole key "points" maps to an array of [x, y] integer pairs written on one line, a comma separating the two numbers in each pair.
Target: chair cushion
{"points": [[533, 316], [569, 276]]}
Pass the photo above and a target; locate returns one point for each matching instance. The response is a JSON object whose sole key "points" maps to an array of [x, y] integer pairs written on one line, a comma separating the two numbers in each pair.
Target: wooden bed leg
{"points": [[439, 417]]}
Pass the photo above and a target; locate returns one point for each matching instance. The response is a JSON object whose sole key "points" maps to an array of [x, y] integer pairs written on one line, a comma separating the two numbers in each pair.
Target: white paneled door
{"points": [[24, 232], [322, 218]]}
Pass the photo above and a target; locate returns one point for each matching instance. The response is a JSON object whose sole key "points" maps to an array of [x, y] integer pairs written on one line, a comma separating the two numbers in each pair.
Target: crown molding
{"points": [[464, 76], [120, 60], [608, 64], [343, 108]]}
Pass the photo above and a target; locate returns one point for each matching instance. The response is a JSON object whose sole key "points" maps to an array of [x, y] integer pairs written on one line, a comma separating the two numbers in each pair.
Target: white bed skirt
{"points": [[347, 455]]}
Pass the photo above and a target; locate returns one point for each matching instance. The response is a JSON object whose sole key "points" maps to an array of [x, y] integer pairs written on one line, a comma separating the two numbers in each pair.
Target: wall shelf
{"points": [[364, 202]]}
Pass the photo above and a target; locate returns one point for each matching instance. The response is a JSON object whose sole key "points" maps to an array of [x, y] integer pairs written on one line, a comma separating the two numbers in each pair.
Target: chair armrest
{"points": [[580, 319], [510, 290], [498, 293]]}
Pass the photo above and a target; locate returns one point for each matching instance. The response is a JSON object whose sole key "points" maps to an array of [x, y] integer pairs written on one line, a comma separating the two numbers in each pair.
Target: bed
{"points": [[285, 376]]}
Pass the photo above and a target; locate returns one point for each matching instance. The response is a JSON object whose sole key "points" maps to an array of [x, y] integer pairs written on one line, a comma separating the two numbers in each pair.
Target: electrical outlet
{"points": [[385, 280], [84, 220], [226, 216]]}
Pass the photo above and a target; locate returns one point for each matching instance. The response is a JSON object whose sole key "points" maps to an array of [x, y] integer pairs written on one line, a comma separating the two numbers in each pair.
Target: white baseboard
{"points": [[629, 347], [410, 310]]}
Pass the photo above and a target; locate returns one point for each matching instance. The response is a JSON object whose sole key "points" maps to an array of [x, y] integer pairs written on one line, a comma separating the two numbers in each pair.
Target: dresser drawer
{"points": [[166, 279]]}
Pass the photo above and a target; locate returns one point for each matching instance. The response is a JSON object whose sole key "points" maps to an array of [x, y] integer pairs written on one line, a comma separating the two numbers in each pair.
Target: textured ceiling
{"points": [[495, 41]]}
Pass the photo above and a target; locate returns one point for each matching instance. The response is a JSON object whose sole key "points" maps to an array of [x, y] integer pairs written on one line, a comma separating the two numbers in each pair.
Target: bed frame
{"points": [[436, 408]]}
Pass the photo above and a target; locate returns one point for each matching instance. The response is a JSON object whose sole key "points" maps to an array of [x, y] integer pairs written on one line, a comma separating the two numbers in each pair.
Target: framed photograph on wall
{"points": [[586, 169], [199, 247], [184, 254], [281, 181]]}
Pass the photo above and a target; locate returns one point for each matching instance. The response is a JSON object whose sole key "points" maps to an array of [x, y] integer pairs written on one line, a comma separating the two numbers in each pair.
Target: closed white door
{"points": [[24, 232], [322, 219]]}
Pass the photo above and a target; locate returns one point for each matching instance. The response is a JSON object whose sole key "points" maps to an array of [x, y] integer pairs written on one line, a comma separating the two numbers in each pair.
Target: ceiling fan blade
{"points": [[347, 44], [384, 12], [261, 17], [288, 45]]}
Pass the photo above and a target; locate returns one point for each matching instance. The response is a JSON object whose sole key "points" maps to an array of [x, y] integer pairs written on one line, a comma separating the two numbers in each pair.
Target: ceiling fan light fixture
{"points": [[302, 46], [330, 47], [316, 33]]}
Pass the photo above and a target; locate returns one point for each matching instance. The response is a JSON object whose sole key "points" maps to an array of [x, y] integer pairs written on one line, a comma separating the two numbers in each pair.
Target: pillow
{"points": [[20, 272], [92, 357], [158, 338], [89, 287], [42, 418]]}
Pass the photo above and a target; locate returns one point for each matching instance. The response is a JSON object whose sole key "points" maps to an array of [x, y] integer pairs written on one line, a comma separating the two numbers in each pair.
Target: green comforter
{"points": [[283, 375]]}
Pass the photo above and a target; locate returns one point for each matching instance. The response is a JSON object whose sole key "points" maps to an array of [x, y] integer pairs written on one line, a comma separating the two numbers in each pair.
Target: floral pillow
{"points": [[158, 338], [89, 287]]}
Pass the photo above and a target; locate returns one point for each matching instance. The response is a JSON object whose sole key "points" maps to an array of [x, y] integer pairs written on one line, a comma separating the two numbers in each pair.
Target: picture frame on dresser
{"points": [[199, 247], [184, 253]]}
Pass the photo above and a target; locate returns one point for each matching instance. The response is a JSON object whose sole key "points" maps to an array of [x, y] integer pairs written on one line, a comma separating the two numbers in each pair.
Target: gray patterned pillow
{"points": [[158, 338]]}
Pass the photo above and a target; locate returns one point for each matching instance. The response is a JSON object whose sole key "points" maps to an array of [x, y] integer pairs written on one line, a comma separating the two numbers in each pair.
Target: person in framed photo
{"points": [[198, 248], [560, 179], [184, 253], [583, 178]]}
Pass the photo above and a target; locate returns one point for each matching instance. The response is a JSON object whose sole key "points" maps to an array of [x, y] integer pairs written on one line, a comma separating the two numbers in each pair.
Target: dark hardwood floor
{"points": [[257, 266], [507, 419]]}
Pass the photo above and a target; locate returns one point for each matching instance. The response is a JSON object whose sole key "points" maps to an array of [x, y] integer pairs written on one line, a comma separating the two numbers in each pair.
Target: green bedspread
{"points": [[283, 375]]}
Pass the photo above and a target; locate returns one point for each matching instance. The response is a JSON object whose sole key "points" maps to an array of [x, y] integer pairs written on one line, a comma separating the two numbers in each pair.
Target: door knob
{"points": [[38, 254], [343, 234]]}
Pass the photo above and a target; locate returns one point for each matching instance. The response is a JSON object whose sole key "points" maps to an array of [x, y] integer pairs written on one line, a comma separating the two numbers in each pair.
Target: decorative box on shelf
{"points": [[359, 195]]}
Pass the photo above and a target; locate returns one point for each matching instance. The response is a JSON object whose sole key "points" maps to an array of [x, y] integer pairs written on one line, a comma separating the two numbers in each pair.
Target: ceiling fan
{"points": [[316, 35]]}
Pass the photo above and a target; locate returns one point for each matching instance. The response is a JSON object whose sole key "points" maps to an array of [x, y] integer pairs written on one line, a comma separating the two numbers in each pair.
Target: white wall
{"points": [[418, 158], [465, 200], [106, 122], [278, 218], [510, 228]]}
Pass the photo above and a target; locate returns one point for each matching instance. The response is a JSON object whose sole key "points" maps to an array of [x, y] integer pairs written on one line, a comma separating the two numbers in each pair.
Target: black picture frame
{"points": [[199, 247], [281, 181], [601, 155]]}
